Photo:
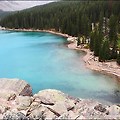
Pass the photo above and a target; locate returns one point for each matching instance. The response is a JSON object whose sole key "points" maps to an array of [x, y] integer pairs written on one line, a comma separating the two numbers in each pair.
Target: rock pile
{"points": [[48, 104]]}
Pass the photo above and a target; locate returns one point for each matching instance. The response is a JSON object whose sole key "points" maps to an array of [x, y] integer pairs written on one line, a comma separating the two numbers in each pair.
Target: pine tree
{"points": [[92, 39], [96, 44], [104, 51], [101, 22], [118, 58], [78, 41], [113, 36], [107, 50]]}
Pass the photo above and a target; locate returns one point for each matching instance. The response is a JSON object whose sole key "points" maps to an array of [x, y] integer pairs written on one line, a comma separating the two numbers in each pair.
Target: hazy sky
{"points": [[10, 5]]}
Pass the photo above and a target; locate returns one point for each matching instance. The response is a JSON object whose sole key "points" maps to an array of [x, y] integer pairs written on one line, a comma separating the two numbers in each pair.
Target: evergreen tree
{"points": [[113, 36], [101, 22], [96, 43], [78, 41], [112, 27], [118, 58], [104, 51], [92, 39]]}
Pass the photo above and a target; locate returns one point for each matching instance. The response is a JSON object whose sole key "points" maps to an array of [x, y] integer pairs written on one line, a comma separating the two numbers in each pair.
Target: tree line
{"points": [[75, 18]]}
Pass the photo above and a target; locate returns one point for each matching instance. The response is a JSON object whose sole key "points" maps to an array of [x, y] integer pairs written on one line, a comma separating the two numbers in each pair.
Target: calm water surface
{"points": [[45, 62]]}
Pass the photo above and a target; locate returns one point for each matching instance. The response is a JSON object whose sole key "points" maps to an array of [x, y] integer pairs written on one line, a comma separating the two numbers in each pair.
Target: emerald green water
{"points": [[43, 60]]}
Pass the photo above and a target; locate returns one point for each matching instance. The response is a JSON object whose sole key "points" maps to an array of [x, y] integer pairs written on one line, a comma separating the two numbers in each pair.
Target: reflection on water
{"points": [[45, 62]]}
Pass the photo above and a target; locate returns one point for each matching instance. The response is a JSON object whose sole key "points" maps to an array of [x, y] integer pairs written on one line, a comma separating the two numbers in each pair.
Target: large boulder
{"points": [[10, 88], [50, 96]]}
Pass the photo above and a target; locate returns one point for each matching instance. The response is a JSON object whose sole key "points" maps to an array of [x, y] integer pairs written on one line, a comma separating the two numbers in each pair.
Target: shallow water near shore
{"points": [[43, 60]]}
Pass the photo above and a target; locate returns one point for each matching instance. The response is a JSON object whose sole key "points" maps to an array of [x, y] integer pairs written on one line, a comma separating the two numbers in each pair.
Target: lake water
{"points": [[43, 60]]}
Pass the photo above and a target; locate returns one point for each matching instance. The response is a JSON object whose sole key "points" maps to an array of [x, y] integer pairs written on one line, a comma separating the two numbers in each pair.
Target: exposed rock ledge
{"points": [[17, 102]]}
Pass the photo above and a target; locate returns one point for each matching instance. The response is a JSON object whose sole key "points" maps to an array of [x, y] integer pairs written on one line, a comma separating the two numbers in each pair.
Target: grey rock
{"points": [[100, 108], [1, 116], [69, 104], [114, 110], [50, 96], [14, 87], [23, 102], [34, 105], [38, 113], [3, 109], [49, 115], [7, 94], [82, 105], [68, 115], [9, 115], [59, 108]]}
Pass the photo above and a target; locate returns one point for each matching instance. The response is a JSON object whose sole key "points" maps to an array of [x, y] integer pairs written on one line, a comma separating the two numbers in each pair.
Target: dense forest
{"points": [[76, 18], [4, 13]]}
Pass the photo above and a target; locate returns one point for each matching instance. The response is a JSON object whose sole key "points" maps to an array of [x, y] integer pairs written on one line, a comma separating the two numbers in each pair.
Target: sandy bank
{"points": [[92, 62]]}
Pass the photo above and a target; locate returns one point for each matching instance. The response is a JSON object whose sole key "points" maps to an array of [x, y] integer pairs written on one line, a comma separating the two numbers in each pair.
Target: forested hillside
{"points": [[4, 14], [75, 18]]}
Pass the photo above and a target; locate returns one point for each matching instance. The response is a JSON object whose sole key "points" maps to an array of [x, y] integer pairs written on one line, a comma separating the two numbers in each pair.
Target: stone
{"points": [[100, 108], [69, 104], [114, 110], [1, 116], [81, 117], [64, 116], [7, 95], [49, 115], [24, 112], [14, 86], [90, 113], [72, 115], [50, 96], [82, 105], [38, 113], [3, 109], [23, 102], [14, 116], [33, 108], [34, 105], [59, 108]]}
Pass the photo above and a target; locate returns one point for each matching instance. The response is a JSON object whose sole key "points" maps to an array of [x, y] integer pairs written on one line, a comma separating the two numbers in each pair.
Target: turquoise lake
{"points": [[44, 61]]}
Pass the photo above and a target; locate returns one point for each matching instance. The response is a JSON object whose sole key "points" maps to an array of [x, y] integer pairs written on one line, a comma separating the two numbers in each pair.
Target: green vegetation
{"points": [[104, 53], [78, 41], [118, 58], [76, 18]]}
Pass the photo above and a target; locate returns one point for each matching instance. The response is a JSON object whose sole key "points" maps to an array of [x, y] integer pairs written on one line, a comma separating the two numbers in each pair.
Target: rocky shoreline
{"points": [[17, 102]]}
